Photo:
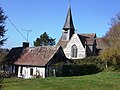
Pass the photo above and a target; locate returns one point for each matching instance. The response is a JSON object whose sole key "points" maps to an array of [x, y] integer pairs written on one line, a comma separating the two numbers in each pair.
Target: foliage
{"points": [[110, 56], [89, 60], [44, 40], [56, 69], [77, 67], [4, 74], [112, 37], [79, 70], [100, 81], [111, 53], [2, 55], [2, 27]]}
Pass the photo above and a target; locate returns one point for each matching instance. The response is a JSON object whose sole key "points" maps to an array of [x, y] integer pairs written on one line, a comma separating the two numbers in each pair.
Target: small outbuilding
{"points": [[32, 62]]}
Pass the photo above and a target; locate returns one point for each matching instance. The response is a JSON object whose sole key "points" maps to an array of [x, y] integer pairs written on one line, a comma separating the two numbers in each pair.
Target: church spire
{"points": [[69, 22], [68, 28]]}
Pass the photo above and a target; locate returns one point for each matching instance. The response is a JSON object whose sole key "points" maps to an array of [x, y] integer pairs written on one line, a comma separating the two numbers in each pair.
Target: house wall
{"points": [[25, 72], [81, 52]]}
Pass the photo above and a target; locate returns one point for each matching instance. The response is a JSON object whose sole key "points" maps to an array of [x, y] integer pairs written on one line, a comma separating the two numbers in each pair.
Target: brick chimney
{"points": [[25, 44]]}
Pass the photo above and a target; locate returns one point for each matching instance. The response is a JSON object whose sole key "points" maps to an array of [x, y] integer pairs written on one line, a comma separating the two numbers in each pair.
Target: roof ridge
{"points": [[87, 33]]}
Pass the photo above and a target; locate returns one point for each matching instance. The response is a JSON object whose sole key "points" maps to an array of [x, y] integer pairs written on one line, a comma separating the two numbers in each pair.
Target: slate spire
{"points": [[69, 22], [69, 26]]}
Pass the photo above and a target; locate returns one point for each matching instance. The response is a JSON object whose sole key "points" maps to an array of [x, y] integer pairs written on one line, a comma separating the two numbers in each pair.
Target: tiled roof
{"points": [[37, 56], [13, 55], [62, 43], [100, 43], [90, 35], [89, 38]]}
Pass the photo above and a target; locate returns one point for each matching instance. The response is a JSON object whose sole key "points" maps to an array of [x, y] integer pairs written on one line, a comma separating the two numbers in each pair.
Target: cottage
{"points": [[34, 61]]}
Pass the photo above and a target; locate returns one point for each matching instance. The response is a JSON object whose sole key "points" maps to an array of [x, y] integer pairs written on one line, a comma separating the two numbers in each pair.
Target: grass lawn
{"points": [[100, 81]]}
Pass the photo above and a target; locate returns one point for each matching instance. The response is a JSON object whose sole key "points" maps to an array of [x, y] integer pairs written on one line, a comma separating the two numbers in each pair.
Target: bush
{"points": [[78, 70], [4, 74], [77, 67], [74, 70], [0, 83], [89, 60]]}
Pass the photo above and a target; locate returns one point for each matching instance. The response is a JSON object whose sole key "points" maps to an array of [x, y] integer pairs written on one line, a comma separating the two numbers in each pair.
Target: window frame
{"points": [[74, 51]]}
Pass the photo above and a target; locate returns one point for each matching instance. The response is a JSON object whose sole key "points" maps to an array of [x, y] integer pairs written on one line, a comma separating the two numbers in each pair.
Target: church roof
{"points": [[34, 56], [89, 35], [85, 39], [69, 22], [100, 43], [89, 38], [62, 43]]}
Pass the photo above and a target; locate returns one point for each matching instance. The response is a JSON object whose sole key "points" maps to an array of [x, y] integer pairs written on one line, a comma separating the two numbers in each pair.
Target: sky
{"points": [[39, 16]]}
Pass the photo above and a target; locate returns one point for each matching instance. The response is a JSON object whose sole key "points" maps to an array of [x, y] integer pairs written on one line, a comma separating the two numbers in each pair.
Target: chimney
{"points": [[25, 44]]}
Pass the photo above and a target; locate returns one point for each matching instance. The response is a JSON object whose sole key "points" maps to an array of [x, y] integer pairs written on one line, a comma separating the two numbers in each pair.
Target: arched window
{"points": [[74, 51]]}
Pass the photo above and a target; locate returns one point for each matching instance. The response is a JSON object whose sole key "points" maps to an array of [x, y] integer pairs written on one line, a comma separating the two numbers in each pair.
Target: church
{"points": [[75, 45], [30, 62]]}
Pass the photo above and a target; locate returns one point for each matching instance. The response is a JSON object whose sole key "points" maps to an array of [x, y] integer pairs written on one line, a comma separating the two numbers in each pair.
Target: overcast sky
{"points": [[89, 16]]}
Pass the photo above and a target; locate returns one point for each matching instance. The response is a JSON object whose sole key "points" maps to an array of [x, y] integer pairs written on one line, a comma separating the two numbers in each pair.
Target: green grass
{"points": [[100, 81]]}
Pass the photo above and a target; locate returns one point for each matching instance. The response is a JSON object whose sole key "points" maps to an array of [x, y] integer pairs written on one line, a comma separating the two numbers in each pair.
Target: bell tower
{"points": [[68, 28]]}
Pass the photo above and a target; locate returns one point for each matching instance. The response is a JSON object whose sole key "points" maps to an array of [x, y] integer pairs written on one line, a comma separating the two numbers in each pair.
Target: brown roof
{"points": [[62, 43], [13, 55], [89, 38], [37, 56], [100, 43], [90, 35]]}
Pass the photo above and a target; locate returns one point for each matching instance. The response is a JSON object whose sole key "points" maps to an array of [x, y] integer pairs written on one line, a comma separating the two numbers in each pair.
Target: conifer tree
{"points": [[44, 40], [2, 27]]}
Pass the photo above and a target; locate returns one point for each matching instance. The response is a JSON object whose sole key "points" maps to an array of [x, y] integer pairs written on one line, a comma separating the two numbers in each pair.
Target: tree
{"points": [[111, 53], [2, 27], [44, 40], [3, 53]]}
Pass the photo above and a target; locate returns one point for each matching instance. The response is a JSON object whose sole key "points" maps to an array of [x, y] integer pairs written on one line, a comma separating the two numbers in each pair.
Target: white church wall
{"points": [[81, 53]]}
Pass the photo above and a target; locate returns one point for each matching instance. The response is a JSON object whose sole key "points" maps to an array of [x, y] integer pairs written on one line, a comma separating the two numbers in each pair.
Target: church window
{"points": [[74, 51]]}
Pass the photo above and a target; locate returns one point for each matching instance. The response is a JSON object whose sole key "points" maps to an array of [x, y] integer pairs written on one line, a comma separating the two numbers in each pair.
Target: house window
{"points": [[13, 69], [21, 70], [31, 71], [74, 51]]}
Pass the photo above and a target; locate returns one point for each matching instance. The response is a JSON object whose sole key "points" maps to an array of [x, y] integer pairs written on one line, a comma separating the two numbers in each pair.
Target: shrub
{"points": [[4, 74], [78, 70], [89, 60], [77, 67]]}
